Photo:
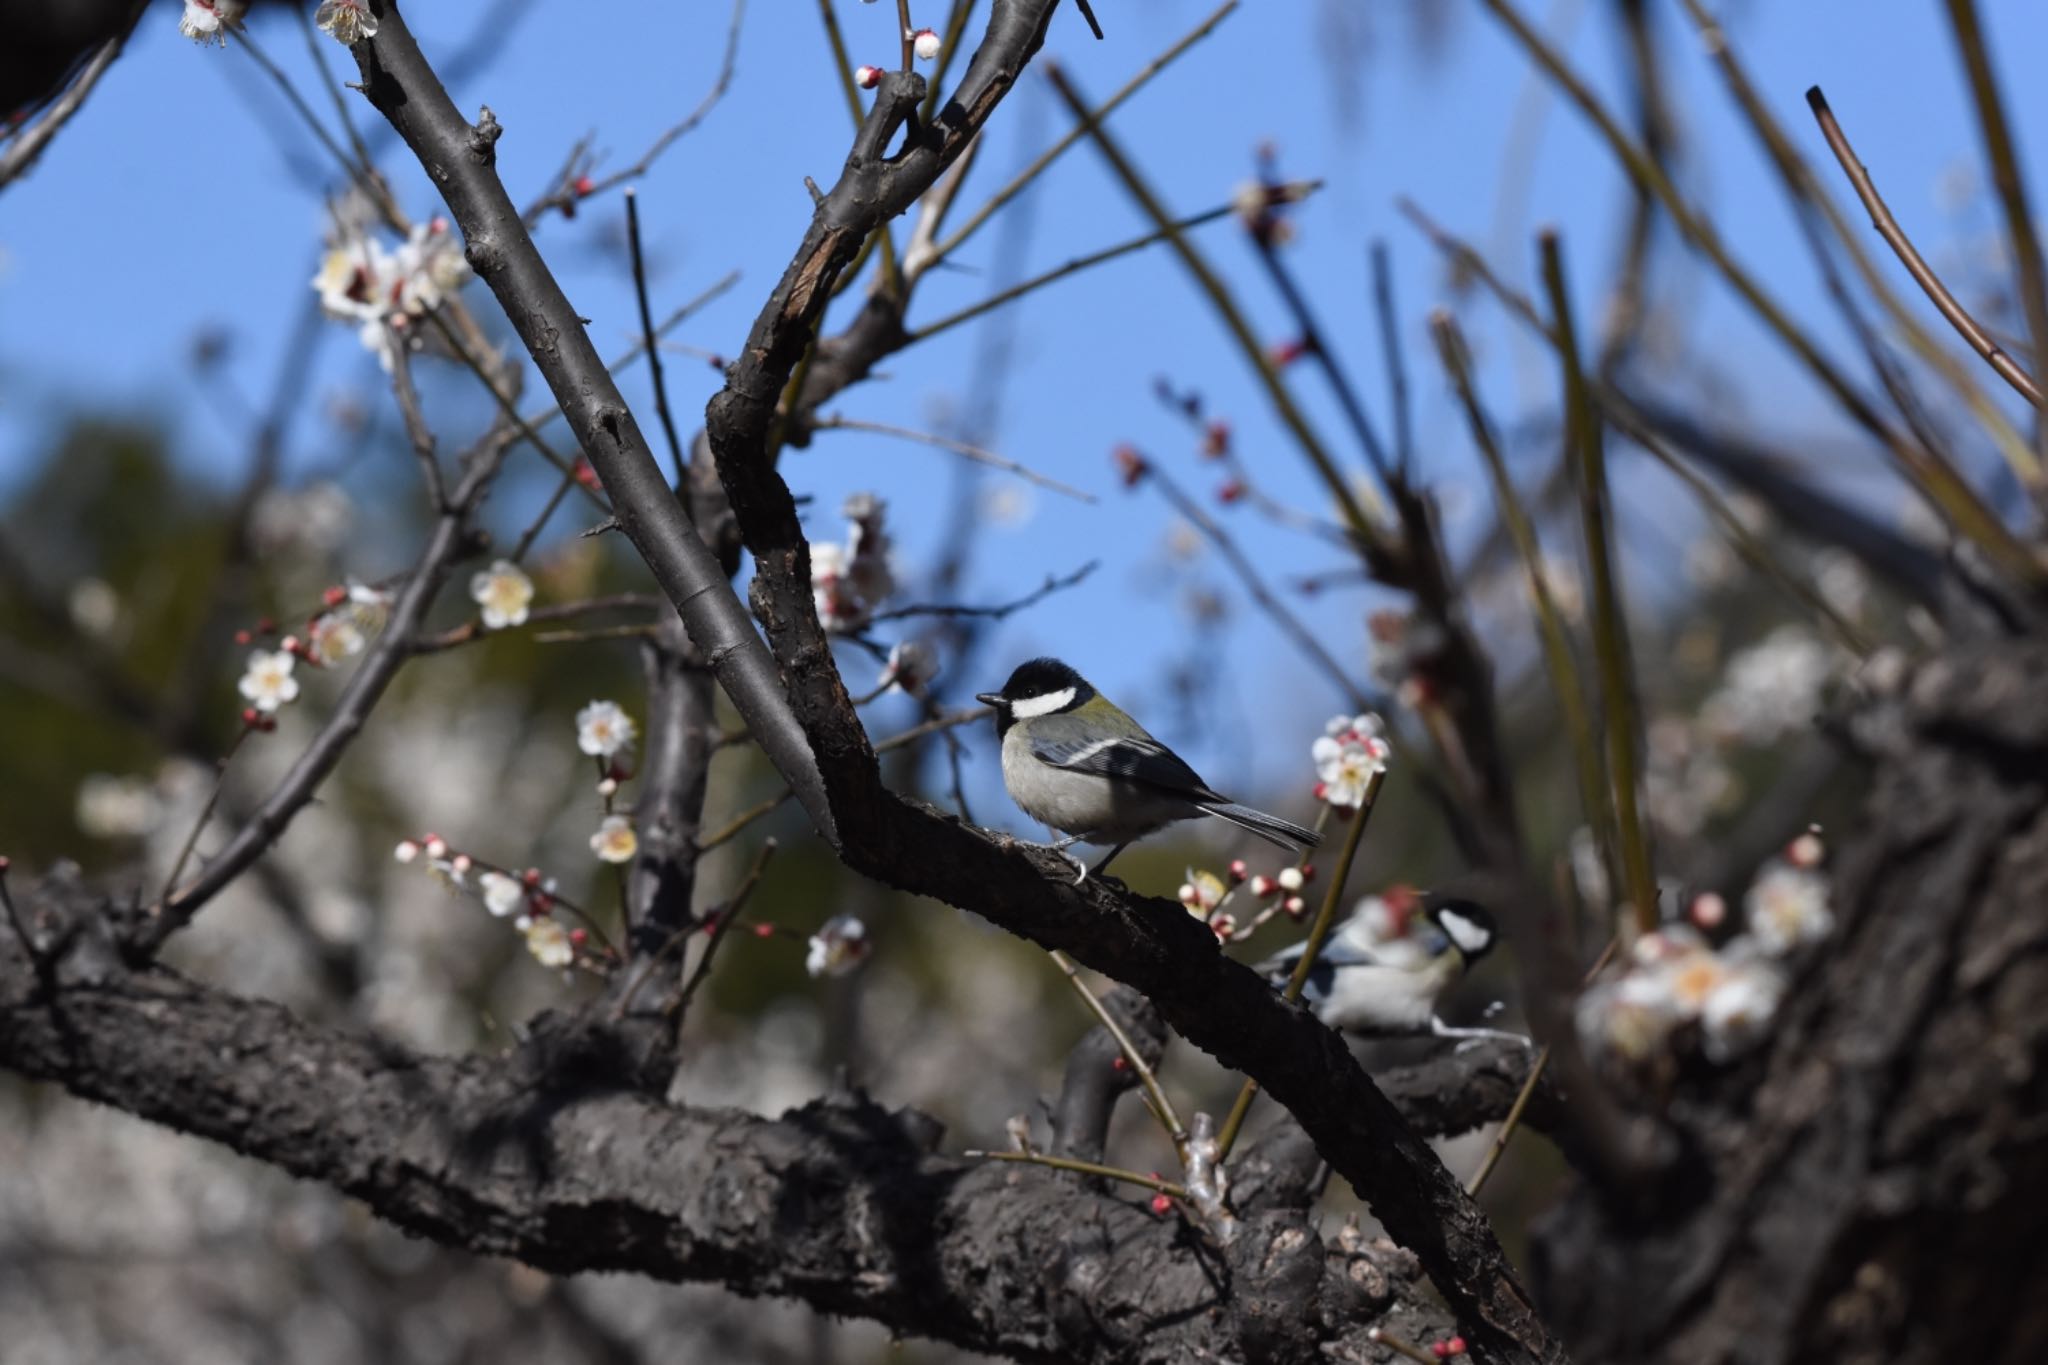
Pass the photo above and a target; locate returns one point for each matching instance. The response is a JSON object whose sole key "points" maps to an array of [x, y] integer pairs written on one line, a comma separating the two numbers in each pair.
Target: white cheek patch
{"points": [[1469, 937], [1042, 706]]}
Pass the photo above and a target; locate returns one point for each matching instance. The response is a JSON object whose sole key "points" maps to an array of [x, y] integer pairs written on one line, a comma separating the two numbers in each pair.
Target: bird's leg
{"points": [[1097, 869], [1474, 1036]]}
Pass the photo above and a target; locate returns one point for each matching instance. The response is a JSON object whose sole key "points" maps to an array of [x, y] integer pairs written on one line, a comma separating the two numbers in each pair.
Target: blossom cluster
{"points": [[1347, 754], [531, 900], [1677, 989], [385, 290], [840, 945], [1208, 897], [349, 615], [207, 21], [849, 582]]}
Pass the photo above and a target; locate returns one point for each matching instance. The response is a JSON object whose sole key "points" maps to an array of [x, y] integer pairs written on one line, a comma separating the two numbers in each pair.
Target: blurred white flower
{"points": [[1630, 1017], [502, 894], [350, 21], [504, 592], [382, 290], [615, 841], [268, 683], [110, 807], [1738, 1011], [911, 666], [333, 637], [1788, 907], [1202, 892], [1841, 582], [406, 851], [207, 21], [603, 729], [1346, 755], [1771, 687], [94, 606], [840, 945], [549, 942]]}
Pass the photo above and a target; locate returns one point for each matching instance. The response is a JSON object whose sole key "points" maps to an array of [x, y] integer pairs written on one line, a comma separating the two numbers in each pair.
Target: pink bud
{"points": [[584, 185], [867, 77], [251, 717], [1118, 1063], [1161, 1205], [579, 937], [1130, 464], [243, 637], [1263, 886], [1285, 353], [531, 877], [764, 931], [1440, 1349], [1216, 439], [1456, 1345], [1230, 492], [1238, 870], [436, 846], [334, 596], [291, 644], [5, 863], [1308, 872], [1295, 906], [925, 44]]}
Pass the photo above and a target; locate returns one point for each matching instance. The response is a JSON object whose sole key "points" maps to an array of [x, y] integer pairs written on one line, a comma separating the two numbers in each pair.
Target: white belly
{"points": [[1386, 999], [1108, 812]]}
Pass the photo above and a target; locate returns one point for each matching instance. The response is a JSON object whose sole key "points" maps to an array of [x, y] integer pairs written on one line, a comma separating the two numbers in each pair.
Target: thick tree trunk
{"points": [[1871, 1188]]}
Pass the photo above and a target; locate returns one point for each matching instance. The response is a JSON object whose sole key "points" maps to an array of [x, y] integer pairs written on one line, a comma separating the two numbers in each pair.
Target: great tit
{"points": [[1363, 983], [1074, 761]]}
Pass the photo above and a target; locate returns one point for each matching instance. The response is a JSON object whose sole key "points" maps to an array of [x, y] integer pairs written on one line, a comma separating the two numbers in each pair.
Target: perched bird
{"points": [[1364, 983], [1073, 760]]}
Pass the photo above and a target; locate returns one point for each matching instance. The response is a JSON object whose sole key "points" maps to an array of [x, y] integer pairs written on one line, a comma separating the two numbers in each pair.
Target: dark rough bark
{"points": [[1870, 1190], [540, 1154]]}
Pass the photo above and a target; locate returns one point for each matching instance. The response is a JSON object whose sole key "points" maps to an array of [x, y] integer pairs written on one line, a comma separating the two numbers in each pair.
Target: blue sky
{"points": [[168, 206]]}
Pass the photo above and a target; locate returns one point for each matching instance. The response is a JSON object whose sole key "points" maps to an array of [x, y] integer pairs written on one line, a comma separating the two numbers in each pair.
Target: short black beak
{"points": [[994, 699]]}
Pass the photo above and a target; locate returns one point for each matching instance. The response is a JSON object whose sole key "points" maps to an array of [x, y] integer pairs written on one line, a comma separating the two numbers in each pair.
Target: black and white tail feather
{"points": [[1271, 828]]}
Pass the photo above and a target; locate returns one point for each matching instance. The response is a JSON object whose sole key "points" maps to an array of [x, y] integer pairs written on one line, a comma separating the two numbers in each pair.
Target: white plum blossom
{"points": [[1787, 908], [1770, 688], [332, 638], [549, 942], [207, 21], [925, 44], [407, 851], [268, 682], [911, 666], [1202, 892], [504, 592], [1347, 754], [615, 841], [840, 945], [94, 606], [848, 583], [383, 291], [349, 21], [603, 729], [1739, 1009], [502, 894]]}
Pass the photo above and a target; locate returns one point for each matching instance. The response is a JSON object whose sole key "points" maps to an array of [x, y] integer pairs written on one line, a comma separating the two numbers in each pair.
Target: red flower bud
{"points": [[243, 637], [251, 717], [1308, 872], [579, 937], [1440, 1349], [584, 185], [1457, 1345], [1285, 353], [1238, 870], [1230, 492], [1216, 439], [764, 931], [531, 877], [5, 863], [1130, 464], [1161, 1205], [1118, 1063], [335, 596]]}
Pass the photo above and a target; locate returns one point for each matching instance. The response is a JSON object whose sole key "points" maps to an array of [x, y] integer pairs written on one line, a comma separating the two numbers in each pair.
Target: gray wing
{"points": [[1068, 743], [1337, 952]]}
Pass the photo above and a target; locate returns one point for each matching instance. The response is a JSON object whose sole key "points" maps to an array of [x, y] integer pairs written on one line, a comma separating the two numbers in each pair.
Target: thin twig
{"points": [[1594, 801], [28, 144], [220, 781], [1290, 625], [722, 921], [962, 448], [1397, 371], [1093, 258], [2012, 191], [541, 518], [1176, 1132], [1803, 186], [416, 429], [1509, 1124], [1317, 347], [1888, 228], [1932, 474], [1371, 536], [1586, 447], [1067, 1163], [884, 242], [952, 611], [506, 406], [1318, 934], [647, 338], [471, 631], [1022, 180], [542, 417], [732, 828]]}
